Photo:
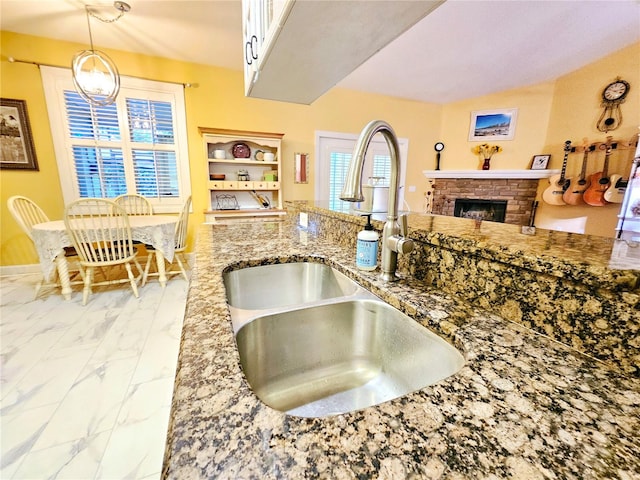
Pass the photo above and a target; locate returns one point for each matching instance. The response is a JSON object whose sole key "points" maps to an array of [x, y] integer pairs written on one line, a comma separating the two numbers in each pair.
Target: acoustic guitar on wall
{"points": [[615, 192], [600, 182], [558, 183], [577, 185]]}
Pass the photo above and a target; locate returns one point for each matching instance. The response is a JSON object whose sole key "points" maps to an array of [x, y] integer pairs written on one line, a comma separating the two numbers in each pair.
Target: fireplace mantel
{"points": [[490, 174]]}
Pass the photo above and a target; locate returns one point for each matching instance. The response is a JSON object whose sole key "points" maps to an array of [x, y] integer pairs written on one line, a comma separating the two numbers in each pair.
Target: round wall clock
{"points": [[612, 96], [615, 91]]}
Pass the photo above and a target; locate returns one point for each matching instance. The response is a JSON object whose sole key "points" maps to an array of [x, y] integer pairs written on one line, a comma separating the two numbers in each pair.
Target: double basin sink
{"points": [[314, 343]]}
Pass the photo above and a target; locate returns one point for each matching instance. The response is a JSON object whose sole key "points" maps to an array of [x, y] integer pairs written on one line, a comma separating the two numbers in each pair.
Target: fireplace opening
{"points": [[490, 210]]}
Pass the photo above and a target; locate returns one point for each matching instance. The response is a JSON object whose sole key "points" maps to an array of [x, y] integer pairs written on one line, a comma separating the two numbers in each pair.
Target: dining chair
{"points": [[180, 247], [134, 204], [27, 213], [100, 232]]}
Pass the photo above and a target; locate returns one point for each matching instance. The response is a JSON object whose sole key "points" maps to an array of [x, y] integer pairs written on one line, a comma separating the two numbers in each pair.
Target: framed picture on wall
{"points": [[540, 162], [16, 142], [493, 125]]}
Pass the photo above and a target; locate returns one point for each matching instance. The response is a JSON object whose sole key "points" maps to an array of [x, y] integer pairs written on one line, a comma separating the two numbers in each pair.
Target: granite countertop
{"points": [[523, 406], [584, 258]]}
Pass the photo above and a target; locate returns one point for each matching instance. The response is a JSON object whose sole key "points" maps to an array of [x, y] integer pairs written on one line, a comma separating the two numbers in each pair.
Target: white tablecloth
{"points": [[158, 231]]}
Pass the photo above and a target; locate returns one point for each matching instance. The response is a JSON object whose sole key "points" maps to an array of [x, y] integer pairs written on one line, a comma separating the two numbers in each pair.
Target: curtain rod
{"points": [[38, 64]]}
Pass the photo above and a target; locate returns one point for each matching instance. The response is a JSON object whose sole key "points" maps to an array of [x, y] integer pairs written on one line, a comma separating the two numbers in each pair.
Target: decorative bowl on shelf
{"points": [[217, 176], [241, 150]]}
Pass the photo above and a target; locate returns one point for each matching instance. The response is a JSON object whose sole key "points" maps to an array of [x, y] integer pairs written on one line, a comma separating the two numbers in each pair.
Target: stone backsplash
{"points": [[595, 315], [599, 322]]}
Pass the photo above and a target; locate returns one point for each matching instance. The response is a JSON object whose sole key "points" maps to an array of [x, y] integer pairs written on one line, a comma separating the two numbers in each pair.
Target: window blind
{"points": [[337, 174], [382, 169], [138, 144]]}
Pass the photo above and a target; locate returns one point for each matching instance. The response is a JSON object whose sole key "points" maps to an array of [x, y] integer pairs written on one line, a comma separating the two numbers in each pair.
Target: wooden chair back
{"points": [[26, 212], [134, 204], [100, 231]]}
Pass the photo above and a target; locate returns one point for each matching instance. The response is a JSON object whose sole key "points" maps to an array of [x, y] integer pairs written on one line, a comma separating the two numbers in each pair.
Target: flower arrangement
{"points": [[486, 150]]}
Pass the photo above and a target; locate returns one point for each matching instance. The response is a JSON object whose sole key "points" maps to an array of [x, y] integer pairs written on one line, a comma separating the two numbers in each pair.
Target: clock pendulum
{"points": [[612, 96]]}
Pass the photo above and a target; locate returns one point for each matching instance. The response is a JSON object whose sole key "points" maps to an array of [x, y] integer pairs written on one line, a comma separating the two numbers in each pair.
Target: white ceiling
{"points": [[464, 49]]}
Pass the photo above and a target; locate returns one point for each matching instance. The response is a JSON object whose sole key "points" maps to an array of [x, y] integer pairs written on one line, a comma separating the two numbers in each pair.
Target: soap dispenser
{"points": [[367, 247]]}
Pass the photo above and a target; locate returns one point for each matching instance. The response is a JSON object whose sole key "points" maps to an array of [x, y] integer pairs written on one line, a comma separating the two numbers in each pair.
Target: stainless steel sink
{"points": [[283, 284], [334, 358]]}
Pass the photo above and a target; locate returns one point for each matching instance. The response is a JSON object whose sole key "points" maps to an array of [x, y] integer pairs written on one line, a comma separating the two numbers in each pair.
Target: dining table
{"points": [[51, 238]]}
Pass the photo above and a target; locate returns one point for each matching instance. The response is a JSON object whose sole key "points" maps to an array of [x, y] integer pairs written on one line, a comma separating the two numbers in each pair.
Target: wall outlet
{"points": [[304, 220]]}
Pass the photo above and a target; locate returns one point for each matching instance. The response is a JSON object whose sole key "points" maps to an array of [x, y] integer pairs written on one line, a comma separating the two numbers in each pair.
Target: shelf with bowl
{"points": [[241, 161], [230, 154]]}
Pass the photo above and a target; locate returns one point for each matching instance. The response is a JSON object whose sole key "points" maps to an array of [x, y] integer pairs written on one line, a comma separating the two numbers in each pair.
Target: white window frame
{"points": [[327, 142], [56, 80]]}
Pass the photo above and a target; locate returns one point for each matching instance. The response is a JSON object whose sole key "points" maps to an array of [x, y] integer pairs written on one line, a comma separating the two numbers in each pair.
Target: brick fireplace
{"points": [[519, 194]]}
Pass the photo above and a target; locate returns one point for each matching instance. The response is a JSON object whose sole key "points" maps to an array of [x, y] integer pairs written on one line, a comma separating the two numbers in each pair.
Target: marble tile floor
{"points": [[85, 392]]}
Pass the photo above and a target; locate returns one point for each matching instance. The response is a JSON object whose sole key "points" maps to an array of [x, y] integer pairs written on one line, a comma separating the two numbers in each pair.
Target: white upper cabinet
{"points": [[296, 50]]}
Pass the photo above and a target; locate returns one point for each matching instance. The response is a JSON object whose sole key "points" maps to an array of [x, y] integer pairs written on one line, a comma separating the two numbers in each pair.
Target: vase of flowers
{"points": [[486, 151]]}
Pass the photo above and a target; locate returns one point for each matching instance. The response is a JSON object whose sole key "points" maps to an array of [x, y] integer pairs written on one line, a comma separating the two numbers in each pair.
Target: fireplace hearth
{"points": [[479, 209]]}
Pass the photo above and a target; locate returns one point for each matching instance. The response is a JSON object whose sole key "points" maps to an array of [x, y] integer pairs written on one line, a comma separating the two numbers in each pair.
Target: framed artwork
{"points": [[540, 162], [16, 142], [301, 168], [493, 125]]}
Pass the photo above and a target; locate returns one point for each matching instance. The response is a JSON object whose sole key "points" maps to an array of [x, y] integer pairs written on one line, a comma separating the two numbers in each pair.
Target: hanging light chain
{"points": [[89, 25], [122, 8], [104, 20]]}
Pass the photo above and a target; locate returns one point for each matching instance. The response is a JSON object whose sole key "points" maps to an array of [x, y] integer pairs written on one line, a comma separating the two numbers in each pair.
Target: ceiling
{"points": [[463, 49]]}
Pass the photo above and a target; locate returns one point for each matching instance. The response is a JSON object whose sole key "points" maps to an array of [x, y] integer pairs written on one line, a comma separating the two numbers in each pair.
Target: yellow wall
{"points": [[534, 106], [219, 101]]}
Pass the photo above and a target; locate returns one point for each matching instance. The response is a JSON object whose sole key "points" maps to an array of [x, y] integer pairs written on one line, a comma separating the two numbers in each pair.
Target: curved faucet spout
{"points": [[352, 192]]}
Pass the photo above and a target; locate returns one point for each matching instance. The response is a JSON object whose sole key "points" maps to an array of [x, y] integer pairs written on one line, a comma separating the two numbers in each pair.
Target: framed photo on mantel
{"points": [[540, 162], [16, 143]]}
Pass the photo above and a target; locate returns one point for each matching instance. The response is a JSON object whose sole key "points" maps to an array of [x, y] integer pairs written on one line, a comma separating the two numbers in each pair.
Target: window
{"points": [[337, 173], [138, 144], [334, 151]]}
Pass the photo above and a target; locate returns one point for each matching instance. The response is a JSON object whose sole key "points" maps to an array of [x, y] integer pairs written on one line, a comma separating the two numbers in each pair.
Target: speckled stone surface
{"points": [[523, 406], [555, 283]]}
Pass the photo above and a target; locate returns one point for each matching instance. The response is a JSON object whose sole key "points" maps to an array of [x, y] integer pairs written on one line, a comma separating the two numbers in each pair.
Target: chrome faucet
{"points": [[392, 241]]}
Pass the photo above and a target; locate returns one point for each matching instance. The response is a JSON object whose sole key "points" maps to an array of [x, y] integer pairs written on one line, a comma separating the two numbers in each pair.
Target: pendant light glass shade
{"points": [[95, 77]]}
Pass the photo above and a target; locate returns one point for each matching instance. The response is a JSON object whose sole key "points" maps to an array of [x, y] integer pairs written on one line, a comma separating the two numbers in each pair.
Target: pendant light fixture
{"points": [[95, 76]]}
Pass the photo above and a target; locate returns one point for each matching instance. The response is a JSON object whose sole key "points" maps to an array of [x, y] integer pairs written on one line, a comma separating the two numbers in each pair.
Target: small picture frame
{"points": [[540, 162], [487, 125], [16, 143]]}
